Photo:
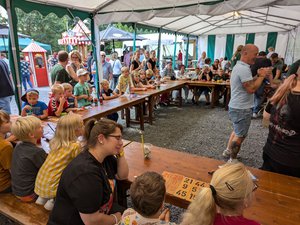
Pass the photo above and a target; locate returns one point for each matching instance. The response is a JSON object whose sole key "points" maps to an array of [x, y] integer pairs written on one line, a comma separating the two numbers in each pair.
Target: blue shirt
{"points": [[106, 69], [37, 109], [24, 68], [240, 98]]}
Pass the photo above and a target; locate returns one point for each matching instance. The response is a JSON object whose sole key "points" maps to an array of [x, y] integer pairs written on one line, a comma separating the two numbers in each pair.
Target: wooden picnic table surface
{"points": [[277, 199]]}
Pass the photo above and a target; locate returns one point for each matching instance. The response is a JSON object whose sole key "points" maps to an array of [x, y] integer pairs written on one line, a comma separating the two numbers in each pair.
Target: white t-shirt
{"points": [[116, 67]]}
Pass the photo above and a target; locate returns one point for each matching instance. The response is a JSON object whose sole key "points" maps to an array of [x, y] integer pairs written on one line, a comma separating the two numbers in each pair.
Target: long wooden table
{"points": [[214, 93], [277, 198], [164, 88], [111, 106]]}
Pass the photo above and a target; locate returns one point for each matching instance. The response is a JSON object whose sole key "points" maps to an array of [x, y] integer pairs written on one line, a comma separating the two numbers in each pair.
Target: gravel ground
{"points": [[199, 130]]}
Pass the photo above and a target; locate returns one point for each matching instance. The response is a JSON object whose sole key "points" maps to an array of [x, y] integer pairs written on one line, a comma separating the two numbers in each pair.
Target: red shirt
{"points": [[53, 105], [233, 220], [179, 58]]}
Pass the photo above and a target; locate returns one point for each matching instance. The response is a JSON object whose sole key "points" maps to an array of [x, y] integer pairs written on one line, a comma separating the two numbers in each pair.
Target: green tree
{"points": [[46, 29]]}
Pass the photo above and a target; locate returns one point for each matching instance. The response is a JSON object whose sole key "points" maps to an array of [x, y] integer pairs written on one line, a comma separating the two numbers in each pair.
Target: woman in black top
{"points": [[135, 64], [151, 63], [282, 149], [85, 192]]}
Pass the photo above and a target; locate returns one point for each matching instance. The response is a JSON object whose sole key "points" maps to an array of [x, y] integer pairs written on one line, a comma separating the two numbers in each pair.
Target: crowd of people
{"points": [[77, 180]]}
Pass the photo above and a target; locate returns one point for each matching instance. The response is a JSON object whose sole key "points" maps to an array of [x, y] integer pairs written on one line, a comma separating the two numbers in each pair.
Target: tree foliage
{"points": [[46, 29]]}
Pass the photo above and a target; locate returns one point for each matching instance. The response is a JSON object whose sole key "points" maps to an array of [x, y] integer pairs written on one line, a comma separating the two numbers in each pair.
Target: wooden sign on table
{"points": [[182, 187]]}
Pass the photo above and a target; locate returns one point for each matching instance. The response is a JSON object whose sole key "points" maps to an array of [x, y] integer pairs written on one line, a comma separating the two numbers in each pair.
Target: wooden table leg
{"points": [[180, 97], [150, 106], [213, 97], [141, 115], [127, 111]]}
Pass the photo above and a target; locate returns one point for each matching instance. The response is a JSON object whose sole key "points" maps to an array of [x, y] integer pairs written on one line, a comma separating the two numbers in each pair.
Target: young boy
{"points": [[31, 105], [27, 157], [81, 89], [6, 150], [147, 194], [124, 81], [72, 101], [108, 94], [57, 103]]}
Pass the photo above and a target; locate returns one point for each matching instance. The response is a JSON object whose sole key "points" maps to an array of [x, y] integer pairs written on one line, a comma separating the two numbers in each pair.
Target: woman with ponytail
{"points": [[230, 192], [86, 189], [282, 150]]}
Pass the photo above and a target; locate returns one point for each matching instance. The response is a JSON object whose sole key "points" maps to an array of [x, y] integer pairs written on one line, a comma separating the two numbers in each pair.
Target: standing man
{"points": [[3, 57], [106, 67], [59, 74], [26, 71], [261, 61], [243, 87], [142, 56], [179, 59], [6, 87], [277, 66]]}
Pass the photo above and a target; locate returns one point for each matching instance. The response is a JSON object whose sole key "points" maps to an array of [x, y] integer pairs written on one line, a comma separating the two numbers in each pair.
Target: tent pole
{"points": [[158, 47], [197, 48], [14, 51], [114, 45], [134, 37], [94, 47], [187, 51], [174, 55]]}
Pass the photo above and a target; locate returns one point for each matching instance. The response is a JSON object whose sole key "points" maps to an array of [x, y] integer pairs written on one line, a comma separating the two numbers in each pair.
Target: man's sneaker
{"points": [[226, 153], [254, 115], [232, 161]]}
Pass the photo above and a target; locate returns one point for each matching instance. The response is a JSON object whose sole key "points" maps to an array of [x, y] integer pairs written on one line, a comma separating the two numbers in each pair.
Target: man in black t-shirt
{"points": [[260, 62], [6, 87]]}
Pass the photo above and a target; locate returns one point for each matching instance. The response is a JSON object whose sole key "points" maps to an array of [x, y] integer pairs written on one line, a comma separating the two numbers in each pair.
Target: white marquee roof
{"points": [[191, 16]]}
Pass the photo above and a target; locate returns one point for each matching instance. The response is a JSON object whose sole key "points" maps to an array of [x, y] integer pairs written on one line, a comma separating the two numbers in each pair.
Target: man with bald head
{"points": [[241, 103]]}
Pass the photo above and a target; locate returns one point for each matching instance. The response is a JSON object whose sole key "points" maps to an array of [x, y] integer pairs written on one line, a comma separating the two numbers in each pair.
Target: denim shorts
{"points": [[241, 120]]}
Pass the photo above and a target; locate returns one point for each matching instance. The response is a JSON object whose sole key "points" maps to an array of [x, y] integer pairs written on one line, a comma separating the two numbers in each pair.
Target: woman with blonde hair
{"points": [[236, 56], [116, 68], [135, 64], [282, 150], [223, 202], [64, 147], [74, 65], [86, 189]]}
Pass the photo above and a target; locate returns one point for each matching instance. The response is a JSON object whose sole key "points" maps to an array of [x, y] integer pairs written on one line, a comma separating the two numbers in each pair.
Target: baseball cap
{"points": [[23, 98], [82, 72]]}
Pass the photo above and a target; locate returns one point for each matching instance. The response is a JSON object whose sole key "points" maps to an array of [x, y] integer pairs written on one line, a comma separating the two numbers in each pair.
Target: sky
{"points": [[3, 12]]}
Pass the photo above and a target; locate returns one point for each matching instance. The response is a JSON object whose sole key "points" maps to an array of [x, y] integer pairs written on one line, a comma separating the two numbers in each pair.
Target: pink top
{"points": [[233, 220]]}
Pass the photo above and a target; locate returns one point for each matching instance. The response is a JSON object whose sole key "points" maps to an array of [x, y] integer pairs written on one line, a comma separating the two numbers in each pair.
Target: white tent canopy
{"points": [[197, 17]]}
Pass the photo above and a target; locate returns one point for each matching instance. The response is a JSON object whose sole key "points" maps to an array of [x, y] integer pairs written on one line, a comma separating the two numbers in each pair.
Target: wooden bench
{"points": [[277, 198], [22, 213]]}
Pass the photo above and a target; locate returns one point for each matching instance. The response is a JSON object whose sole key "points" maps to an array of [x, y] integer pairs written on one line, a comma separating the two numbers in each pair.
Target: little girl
{"points": [[6, 150], [63, 148], [108, 94], [137, 84]]}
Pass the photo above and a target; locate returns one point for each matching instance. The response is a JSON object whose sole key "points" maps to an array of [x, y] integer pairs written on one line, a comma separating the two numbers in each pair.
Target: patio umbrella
{"points": [[113, 34]]}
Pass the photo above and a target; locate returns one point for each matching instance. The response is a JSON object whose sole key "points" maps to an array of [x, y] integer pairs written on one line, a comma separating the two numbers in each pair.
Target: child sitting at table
{"points": [[230, 192], [81, 89], [124, 81], [150, 77], [147, 194], [27, 157], [6, 150], [144, 80], [108, 94], [68, 93], [57, 103], [63, 148], [31, 105], [137, 84]]}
